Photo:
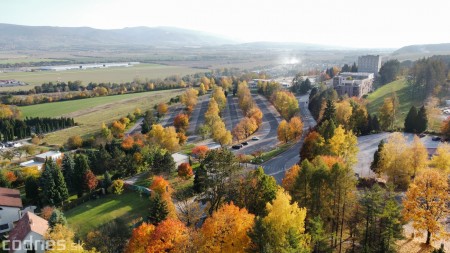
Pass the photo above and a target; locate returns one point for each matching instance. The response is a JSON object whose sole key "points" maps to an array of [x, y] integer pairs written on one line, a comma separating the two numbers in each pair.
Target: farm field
{"points": [[91, 112], [92, 214], [118, 75]]}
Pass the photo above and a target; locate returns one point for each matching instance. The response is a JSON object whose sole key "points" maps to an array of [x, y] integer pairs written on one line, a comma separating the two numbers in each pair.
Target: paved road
{"points": [[136, 128], [232, 113], [277, 166], [267, 131], [171, 114], [198, 118]]}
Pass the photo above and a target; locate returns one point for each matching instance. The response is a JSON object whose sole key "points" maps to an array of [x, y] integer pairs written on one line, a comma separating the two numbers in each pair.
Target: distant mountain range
{"points": [[424, 49], [47, 37]]}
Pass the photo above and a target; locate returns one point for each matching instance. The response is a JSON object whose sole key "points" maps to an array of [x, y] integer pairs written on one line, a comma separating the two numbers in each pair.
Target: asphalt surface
{"points": [[197, 118], [232, 113], [278, 165], [267, 132], [171, 114]]}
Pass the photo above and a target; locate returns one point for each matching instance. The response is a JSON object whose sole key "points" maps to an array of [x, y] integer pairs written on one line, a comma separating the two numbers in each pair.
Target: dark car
{"points": [[436, 138], [239, 146], [244, 143], [422, 135]]}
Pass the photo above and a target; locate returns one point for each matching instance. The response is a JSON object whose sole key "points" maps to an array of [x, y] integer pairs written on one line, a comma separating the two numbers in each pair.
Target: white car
{"points": [[255, 138]]}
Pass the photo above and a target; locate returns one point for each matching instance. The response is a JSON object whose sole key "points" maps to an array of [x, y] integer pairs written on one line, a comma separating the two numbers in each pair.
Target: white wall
{"points": [[8, 215], [33, 239]]}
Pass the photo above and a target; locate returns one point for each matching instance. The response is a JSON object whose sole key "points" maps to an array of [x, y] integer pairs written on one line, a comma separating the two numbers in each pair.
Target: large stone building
{"points": [[369, 64], [353, 84]]}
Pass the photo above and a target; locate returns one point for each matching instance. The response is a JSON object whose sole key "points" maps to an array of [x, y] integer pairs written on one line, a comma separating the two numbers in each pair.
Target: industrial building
{"points": [[353, 84]]}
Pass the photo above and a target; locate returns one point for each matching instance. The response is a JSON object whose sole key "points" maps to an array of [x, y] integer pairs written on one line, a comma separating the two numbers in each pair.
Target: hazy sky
{"points": [[355, 23]]}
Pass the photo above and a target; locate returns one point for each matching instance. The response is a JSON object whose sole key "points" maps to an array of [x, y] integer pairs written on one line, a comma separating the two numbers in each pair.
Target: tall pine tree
{"points": [[411, 120], [422, 120], [80, 169], [158, 210], [68, 167]]}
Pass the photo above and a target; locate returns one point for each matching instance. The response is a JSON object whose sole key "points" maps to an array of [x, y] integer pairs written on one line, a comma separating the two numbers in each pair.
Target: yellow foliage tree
{"points": [[220, 134], [220, 98], [426, 203], [283, 132], [283, 218], [290, 177], [441, 159], [295, 127], [418, 155], [345, 145], [226, 230], [65, 238], [395, 160], [343, 112]]}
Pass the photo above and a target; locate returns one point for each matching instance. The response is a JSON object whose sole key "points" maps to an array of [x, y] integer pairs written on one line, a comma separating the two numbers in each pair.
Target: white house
{"points": [[10, 208], [28, 234], [39, 160]]}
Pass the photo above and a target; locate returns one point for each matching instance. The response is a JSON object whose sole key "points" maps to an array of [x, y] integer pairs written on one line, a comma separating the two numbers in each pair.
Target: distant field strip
{"points": [[113, 75], [91, 112], [65, 107]]}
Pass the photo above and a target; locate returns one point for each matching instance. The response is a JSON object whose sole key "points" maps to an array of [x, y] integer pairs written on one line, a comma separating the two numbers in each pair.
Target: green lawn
{"points": [[91, 112], [376, 99], [115, 74], [92, 214], [60, 108]]}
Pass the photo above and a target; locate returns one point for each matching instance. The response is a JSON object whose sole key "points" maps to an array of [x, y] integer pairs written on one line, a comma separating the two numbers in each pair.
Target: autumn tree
{"points": [[65, 237], [164, 137], [345, 145], [185, 171], [445, 128], [295, 127], [418, 155], [181, 122], [283, 228], [162, 109], [200, 152], [219, 96], [117, 129], [221, 167], [220, 133], [255, 190], [74, 142], [395, 160], [139, 240], [283, 132], [288, 181], [189, 98], [387, 112], [171, 235], [90, 181], [375, 166], [441, 159], [227, 230], [212, 114], [426, 203], [313, 146], [286, 103]]}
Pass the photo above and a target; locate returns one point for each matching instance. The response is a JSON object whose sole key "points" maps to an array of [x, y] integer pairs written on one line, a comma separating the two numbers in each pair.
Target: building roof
{"points": [[49, 154], [30, 222], [10, 197]]}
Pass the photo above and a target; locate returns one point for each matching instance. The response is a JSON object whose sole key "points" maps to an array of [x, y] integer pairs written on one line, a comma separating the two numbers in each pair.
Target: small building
{"points": [[10, 208], [28, 234], [353, 84], [180, 158], [39, 160]]}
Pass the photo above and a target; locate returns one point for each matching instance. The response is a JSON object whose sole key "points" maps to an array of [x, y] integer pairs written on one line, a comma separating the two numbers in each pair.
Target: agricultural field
{"points": [[92, 214], [91, 112], [118, 75]]}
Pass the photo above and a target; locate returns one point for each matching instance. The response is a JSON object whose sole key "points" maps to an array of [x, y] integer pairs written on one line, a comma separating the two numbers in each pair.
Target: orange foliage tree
{"points": [[128, 143], [226, 230], [171, 235], [140, 238], [200, 151], [426, 203], [90, 180], [162, 108], [117, 129], [160, 185], [185, 171], [290, 177], [181, 122]]}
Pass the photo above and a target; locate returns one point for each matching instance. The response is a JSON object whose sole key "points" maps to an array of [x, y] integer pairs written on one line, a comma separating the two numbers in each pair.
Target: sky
{"points": [[348, 23]]}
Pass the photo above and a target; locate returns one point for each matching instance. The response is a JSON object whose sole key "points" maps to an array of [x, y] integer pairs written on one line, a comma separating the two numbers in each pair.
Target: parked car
{"points": [[422, 135], [255, 138], [238, 146], [244, 143], [436, 138]]}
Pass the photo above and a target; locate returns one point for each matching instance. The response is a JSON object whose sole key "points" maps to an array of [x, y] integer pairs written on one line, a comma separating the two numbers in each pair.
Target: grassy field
{"points": [[92, 214], [118, 75], [91, 112], [376, 99]]}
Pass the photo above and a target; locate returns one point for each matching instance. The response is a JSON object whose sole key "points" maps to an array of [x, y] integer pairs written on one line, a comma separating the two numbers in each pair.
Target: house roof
{"points": [[30, 222], [49, 154], [10, 197]]}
